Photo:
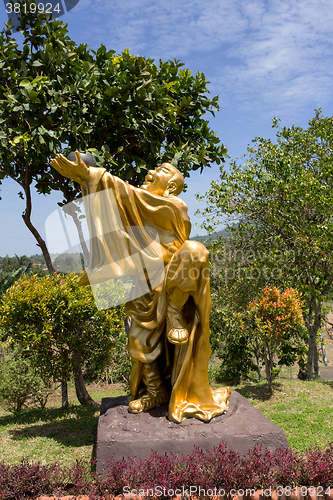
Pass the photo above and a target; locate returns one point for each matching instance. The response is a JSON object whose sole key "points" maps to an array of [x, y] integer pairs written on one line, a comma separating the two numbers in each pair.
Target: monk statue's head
{"points": [[165, 180]]}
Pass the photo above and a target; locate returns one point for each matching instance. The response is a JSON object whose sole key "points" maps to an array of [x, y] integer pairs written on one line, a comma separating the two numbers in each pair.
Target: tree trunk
{"points": [[81, 391], [259, 370], [323, 350], [78, 224], [312, 348], [64, 393], [256, 349], [313, 328], [316, 363], [26, 216], [127, 324], [269, 371]]}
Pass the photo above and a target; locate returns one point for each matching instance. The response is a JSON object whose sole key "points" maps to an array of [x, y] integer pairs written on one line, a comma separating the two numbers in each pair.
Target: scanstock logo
{"points": [[55, 7]]}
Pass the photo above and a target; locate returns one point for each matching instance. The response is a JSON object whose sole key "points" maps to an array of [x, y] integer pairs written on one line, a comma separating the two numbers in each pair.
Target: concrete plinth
{"points": [[123, 434]]}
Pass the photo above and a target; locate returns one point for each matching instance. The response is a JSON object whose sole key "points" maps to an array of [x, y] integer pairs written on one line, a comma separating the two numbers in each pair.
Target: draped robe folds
{"points": [[113, 208]]}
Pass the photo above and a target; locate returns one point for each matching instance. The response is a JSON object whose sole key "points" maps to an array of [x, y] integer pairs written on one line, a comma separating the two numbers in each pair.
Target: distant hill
{"points": [[73, 262], [211, 237]]}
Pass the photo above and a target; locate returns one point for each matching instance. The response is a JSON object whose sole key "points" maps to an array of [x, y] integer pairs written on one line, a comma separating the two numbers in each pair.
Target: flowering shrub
{"points": [[274, 315], [219, 468]]}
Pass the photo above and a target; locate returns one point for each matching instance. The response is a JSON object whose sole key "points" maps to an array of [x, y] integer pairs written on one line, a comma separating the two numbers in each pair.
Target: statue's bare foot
{"points": [[177, 332], [148, 401]]}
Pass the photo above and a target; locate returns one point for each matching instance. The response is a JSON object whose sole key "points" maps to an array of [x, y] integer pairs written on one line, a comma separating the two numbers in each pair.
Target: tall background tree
{"points": [[282, 202]]}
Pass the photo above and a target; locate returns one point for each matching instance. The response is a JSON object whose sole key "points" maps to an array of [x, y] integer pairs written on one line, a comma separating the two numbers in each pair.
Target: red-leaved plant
{"points": [[219, 468]]}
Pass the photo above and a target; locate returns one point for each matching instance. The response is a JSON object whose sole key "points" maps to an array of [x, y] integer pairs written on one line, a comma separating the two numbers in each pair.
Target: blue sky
{"points": [[263, 58]]}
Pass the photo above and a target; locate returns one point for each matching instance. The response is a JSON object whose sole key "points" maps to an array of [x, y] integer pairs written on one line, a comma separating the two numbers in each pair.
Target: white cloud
{"points": [[167, 27], [274, 54], [286, 60]]}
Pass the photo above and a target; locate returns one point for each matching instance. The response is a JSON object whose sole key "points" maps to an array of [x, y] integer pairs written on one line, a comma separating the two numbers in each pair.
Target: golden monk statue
{"points": [[168, 340]]}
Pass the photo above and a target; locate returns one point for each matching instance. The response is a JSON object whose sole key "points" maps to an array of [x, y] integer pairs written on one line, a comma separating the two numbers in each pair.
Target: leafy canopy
{"points": [[128, 111], [282, 199]]}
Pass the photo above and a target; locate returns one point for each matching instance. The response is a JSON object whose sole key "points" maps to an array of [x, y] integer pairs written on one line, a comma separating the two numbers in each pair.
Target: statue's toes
{"points": [[135, 406]]}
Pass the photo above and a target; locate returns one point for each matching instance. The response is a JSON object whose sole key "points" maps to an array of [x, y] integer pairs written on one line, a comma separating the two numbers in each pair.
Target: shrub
{"points": [[233, 347], [20, 383], [119, 369], [57, 322], [224, 469], [42, 391], [18, 482]]}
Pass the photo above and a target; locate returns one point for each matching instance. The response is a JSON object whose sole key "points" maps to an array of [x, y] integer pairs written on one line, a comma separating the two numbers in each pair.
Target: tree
{"points": [[39, 83], [282, 200], [275, 316], [56, 323], [125, 110]]}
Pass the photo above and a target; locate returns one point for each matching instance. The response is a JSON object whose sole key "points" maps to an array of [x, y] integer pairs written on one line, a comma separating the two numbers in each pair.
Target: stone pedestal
{"points": [[123, 434]]}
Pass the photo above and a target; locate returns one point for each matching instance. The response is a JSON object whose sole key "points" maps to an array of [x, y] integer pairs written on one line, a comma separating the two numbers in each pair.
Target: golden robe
{"points": [[113, 209]]}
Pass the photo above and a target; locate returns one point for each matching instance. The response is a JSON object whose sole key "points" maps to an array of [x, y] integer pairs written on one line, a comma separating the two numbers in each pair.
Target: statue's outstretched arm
{"points": [[78, 171]]}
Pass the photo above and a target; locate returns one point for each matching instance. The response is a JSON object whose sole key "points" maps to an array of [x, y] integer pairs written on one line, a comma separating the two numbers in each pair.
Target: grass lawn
{"points": [[304, 410], [53, 434]]}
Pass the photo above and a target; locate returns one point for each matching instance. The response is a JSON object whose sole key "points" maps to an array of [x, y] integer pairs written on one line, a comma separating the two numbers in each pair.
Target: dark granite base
{"points": [[123, 434]]}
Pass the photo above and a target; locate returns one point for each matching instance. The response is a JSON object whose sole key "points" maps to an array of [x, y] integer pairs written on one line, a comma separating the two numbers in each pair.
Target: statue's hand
{"points": [[78, 171]]}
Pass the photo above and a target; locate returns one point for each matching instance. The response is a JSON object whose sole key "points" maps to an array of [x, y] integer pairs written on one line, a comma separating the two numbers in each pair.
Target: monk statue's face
{"points": [[164, 180]]}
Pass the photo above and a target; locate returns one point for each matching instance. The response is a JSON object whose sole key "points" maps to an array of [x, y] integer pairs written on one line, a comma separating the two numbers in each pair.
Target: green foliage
{"points": [[42, 390], [41, 96], [7, 279], [282, 200], [236, 351], [233, 287], [11, 268], [294, 349], [68, 262], [20, 383], [147, 113], [231, 292], [119, 368], [126, 110], [11, 264], [53, 320]]}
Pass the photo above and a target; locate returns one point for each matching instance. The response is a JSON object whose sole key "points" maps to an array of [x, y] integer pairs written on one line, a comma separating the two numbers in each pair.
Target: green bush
{"points": [[232, 346], [57, 324], [53, 319], [120, 365], [20, 383], [41, 392]]}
